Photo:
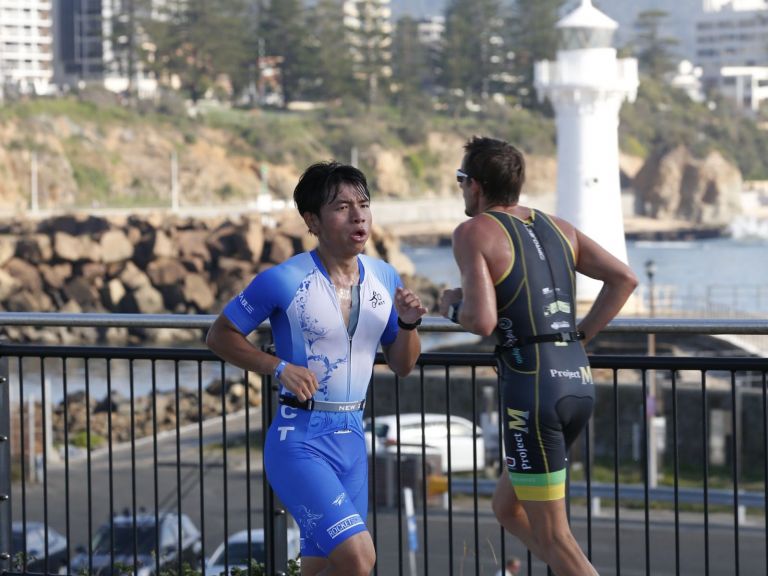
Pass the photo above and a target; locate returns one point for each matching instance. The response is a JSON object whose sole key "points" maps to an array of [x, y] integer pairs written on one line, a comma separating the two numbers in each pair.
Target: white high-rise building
{"points": [[732, 37], [586, 86], [26, 46], [717, 5]]}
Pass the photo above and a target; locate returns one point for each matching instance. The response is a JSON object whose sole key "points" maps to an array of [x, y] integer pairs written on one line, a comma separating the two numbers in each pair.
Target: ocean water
{"points": [[706, 275]]}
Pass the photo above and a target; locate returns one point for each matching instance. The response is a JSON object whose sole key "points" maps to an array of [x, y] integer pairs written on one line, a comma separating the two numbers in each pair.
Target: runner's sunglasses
{"points": [[461, 176]]}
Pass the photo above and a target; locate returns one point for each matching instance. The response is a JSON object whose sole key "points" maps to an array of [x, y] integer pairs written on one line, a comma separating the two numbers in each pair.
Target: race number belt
{"points": [[553, 337], [313, 404]]}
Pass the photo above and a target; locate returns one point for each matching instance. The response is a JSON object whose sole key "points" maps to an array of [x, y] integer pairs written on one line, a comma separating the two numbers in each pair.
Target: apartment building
{"points": [[80, 41], [732, 50], [93, 46], [26, 46]]}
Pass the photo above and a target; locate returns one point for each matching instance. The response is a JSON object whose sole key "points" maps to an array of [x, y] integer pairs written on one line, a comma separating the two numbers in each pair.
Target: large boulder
{"points": [[7, 248], [27, 274], [56, 275], [115, 246], [35, 248], [166, 272], [75, 248], [8, 285]]}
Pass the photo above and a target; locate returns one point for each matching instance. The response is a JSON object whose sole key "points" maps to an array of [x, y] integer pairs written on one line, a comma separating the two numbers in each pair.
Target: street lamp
{"points": [[653, 457], [650, 272]]}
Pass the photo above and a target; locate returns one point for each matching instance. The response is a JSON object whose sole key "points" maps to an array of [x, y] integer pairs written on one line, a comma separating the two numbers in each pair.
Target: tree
{"points": [[187, 49], [534, 36], [330, 52], [126, 37], [469, 27], [283, 30], [370, 38], [655, 53], [410, 63]]}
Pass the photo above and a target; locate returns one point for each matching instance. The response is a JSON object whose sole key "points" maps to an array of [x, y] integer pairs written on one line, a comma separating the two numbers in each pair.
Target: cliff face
{"points": [[97, 164], [127, 162]]}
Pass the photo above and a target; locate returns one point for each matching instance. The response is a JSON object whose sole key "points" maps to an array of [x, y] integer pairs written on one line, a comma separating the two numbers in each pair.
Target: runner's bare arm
{"points": [[402, 354], [477, 312], [618, 283]]}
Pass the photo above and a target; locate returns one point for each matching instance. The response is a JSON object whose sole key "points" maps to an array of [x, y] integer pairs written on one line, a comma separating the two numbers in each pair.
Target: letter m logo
{"points": [[586, 374], [518, 420]]}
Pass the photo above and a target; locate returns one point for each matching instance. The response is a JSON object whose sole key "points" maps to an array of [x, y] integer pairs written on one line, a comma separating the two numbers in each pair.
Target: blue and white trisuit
{"points": [[316, 460]]}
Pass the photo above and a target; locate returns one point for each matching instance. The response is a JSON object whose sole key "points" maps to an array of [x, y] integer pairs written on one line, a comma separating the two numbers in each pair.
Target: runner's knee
{"points": [[355, 564], [356, 557], [510, 514]]}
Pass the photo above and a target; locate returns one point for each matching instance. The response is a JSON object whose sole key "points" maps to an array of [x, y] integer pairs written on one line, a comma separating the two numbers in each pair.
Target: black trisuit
{"points": [[545, 376]]}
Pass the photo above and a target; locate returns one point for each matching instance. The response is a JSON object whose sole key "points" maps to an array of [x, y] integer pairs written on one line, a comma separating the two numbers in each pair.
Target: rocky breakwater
{"points": [[73, 413], [149, 265]]}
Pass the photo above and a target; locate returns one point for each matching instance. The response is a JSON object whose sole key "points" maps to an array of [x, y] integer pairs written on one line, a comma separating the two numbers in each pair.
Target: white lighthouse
{"points": [[586, 86]]}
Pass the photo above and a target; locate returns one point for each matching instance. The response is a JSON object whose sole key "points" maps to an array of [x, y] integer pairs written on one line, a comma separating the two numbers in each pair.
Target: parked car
{"points": [[238, 552], [463, 436], [35, 539], [145, 539]]}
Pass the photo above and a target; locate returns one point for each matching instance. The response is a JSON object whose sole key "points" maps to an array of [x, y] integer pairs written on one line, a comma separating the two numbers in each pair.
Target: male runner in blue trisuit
{"points": [[518, 281], [329, 309]]}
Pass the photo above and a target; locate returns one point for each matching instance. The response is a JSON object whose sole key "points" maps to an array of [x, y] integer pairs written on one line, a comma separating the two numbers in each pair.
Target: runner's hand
{"points": [[300, 381], [450, 296], [408, 306]]}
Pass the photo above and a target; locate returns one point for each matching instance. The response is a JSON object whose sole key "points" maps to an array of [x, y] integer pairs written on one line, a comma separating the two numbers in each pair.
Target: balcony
{"points": [[683, 492]]}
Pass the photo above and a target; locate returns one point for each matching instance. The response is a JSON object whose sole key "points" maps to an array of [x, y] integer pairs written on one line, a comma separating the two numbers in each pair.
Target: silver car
{"points": [[238, 554]]}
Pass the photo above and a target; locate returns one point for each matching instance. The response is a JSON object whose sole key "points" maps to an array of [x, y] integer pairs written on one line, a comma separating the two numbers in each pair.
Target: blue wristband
{"points": [[279, 370]]}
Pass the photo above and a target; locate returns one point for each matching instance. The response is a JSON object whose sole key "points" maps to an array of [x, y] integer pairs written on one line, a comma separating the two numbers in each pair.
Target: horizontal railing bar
{"points": [[102, 352], [634, 492], [729, 363], [112, 320], [430, 323]]}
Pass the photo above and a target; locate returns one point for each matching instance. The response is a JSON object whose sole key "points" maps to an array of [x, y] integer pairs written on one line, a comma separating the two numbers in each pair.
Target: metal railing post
{"points": [[275, 516], [5, 468]]}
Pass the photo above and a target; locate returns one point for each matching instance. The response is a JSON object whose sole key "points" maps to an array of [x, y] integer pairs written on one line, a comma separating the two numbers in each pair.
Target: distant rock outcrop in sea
{"points": [[673, 184]]}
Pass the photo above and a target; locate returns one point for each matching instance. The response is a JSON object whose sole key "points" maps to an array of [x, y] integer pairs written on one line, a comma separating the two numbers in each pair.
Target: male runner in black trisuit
{"points": [[518, 281]]}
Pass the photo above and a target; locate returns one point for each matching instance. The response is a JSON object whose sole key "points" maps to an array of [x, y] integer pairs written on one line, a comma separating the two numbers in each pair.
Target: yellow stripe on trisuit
{"points": [[539, 487]]}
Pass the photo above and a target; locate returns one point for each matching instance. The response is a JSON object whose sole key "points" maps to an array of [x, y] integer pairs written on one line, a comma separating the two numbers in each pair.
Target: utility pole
{"points": [[131, 50], [653, 452], [33, 189], [174, 181]]}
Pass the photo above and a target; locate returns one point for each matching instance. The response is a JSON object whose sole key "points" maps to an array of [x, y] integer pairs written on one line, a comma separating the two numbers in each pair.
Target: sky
{"points": [[678, 25]]}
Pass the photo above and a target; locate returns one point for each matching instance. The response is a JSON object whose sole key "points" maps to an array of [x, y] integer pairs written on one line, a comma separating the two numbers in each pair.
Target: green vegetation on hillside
{"points": [[662, 117], [665, 117]]}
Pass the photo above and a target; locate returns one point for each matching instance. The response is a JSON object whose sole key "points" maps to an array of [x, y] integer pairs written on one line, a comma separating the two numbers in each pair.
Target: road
{"points": [[229, 488]]}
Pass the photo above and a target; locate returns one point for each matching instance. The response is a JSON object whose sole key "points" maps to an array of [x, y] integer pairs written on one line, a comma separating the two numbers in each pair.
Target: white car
{"points": [[237, 550], [463, 436]]}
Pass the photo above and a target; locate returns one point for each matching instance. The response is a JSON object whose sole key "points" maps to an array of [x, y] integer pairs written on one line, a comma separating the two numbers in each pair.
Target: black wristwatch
{"points": [[407, 326]]}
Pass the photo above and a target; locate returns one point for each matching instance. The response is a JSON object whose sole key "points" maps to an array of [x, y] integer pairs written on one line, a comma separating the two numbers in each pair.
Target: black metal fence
{"points": [[145, 460]]}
